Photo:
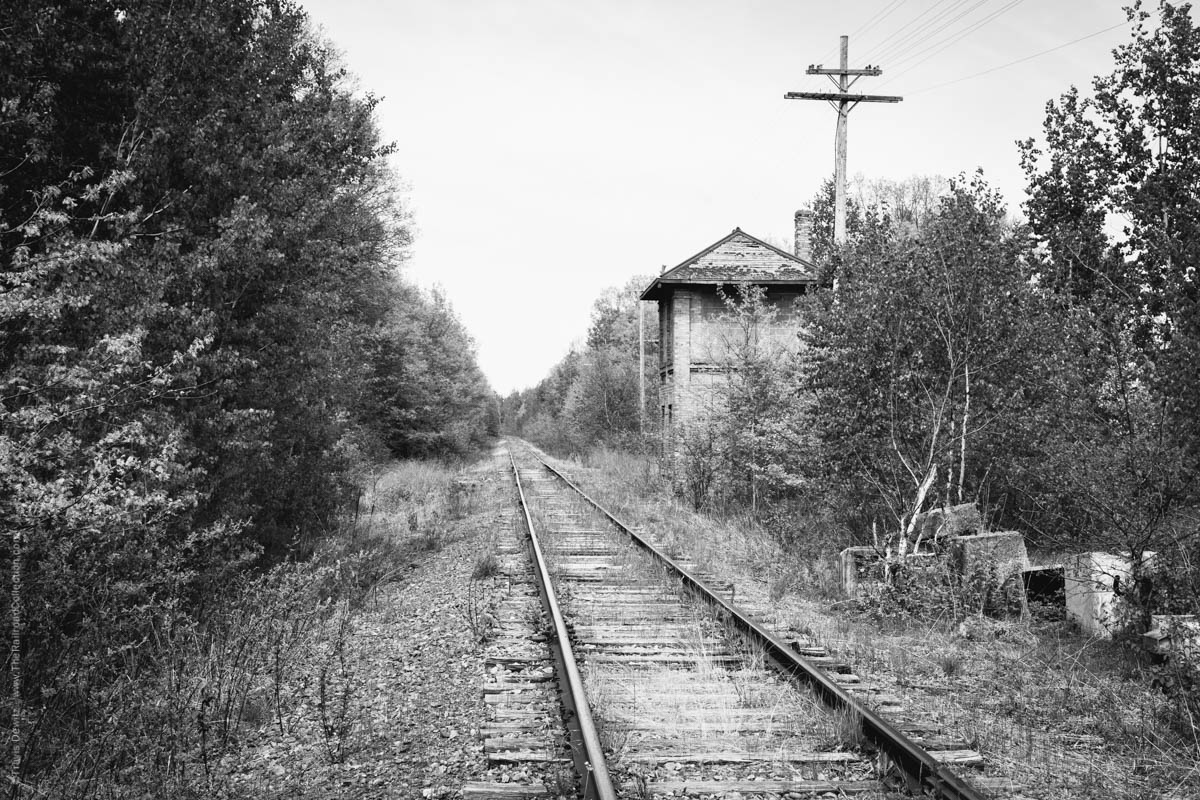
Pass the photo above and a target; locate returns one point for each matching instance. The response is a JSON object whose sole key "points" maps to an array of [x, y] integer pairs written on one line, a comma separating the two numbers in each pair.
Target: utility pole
{"points": [[843, 102]]}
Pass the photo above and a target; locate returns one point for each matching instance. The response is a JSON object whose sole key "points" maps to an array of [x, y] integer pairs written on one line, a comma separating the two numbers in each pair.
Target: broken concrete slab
{"points": [[1090, 590], [1005, 549], [992, 565], [947, 522], [1172, 631], [855, 565]]}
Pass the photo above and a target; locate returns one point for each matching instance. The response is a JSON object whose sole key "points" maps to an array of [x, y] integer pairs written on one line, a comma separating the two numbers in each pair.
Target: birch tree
{"points": [[926, 358]]}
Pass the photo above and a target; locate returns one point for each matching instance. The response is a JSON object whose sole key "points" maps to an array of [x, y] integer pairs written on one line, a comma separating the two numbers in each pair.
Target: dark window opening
{"points": [[1045, 589]]}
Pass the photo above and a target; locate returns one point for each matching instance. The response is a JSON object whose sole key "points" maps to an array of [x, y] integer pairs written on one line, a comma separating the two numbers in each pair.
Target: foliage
{"points": [[749, 447], [590, 398], [874, 207], [825, 253], [1174, 576], [199, 312], [909, 203], [428, 396], [927, 359], [1131, 153]]}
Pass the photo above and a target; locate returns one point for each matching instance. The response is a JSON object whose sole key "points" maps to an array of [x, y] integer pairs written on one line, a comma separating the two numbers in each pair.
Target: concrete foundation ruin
{"points": [[855, 565], [1093, 582], [995, 570], [988, 566], [992, 566], [1170, 632]]}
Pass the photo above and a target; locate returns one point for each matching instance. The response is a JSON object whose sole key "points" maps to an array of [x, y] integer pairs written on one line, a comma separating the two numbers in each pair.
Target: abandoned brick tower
{"points": [[694, 326]]}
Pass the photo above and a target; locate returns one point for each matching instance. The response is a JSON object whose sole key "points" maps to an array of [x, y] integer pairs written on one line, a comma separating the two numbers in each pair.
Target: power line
{"points": [[964, 32], [878, 18], [888, 42], [902, 53], [954, 39], [866, 26], [1021, 60], [902, 43]]}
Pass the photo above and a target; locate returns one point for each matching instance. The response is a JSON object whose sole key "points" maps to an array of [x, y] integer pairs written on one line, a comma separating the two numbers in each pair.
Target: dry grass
{"points": [[1060, 713], [270, 655], [410, 499]]}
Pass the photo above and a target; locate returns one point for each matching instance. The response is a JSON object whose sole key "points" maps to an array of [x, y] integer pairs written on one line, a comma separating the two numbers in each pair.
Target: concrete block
{"points": [[948, 522], [854, 564], [1047, 559], [1172, 632], [1089, 587], [991, 565], [1006, 549], [924, 563]]}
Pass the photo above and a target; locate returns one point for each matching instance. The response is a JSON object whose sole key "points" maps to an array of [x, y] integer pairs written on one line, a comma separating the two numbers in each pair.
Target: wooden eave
{"points": [[662, 287], [761, 277]]}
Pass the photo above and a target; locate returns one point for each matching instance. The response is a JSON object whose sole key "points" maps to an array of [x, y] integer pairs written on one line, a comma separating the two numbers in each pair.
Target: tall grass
{"points": [[199, 687]]}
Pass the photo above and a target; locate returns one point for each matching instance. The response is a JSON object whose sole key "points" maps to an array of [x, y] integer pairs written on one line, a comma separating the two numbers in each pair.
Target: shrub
{"points": [[1178, 677], [950, 662], [1175, 580], [486, 566]]}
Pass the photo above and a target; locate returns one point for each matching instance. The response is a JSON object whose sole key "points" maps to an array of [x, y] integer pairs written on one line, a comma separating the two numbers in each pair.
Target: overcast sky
{"points": [[554, 148]]}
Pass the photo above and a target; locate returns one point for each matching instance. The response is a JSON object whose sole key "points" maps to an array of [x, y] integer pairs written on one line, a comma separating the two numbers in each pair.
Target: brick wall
{"points": [[702, 345]]}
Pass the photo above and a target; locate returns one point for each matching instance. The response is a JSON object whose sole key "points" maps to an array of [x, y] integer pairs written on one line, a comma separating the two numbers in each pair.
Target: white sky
{"points": [[558, 147]]}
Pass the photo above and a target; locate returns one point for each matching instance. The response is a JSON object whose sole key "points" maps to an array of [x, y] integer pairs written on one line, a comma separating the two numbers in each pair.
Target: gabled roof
{"points": [[738, 258]]}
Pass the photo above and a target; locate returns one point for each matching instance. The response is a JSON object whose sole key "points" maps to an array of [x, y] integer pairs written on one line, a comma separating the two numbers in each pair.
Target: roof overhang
{"points": [[659, 289]]}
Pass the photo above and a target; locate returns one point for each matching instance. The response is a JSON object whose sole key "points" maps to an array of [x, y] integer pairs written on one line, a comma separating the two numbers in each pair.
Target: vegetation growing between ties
{"points": [[204, 339]]}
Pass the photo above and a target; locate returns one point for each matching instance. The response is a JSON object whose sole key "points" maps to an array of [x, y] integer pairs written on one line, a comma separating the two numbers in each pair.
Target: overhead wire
{"points": [[951, 40], [889, 39], [871, 22], [932, 31], [920, 35], [901, 44], [878, 18], [1019, 60], [963, 32], [902, 32]]}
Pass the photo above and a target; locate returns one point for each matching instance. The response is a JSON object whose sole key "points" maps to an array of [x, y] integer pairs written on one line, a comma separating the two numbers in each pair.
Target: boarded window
{"points": [[712, 307]]}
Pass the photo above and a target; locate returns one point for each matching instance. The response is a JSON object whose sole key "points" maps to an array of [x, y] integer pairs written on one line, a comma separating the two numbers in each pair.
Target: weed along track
{"points": [[668, 688]]}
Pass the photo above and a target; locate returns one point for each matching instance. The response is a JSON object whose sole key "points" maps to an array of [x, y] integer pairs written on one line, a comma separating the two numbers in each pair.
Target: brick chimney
{"points": [[804, 221]]}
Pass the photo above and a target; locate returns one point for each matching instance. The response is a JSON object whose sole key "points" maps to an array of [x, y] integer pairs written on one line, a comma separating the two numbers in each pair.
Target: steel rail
{"points": [[585, 741], [922, 771]]}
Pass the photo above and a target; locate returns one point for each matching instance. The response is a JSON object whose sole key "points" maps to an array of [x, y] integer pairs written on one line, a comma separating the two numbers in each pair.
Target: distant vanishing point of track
{"points": [[640, 677]]}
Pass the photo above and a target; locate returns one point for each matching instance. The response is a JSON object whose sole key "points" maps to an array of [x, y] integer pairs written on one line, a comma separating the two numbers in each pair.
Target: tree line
{"points": [[592, 397], [204, 331]]}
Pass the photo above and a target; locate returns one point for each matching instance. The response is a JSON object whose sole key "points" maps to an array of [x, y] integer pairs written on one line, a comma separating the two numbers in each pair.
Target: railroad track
{"points": [[666, 686]]}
